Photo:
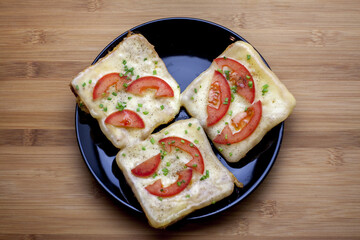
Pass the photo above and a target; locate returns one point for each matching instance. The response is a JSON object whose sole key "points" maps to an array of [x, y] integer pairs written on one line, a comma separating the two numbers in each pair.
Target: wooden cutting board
{"points": [[46, 190]]}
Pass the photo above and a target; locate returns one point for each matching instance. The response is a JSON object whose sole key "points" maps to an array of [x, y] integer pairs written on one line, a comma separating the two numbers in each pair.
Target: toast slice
{"points": [[129, 91], [175, 172], [252, 100]]}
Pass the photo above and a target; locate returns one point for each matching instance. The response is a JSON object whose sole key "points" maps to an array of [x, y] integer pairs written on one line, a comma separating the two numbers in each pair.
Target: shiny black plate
{"points": [[187, 46]]}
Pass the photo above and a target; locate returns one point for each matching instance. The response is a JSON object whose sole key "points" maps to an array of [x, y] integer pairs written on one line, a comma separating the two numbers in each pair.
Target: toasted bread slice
{"points": [[132, 59], [209, 182], [277, 101]]}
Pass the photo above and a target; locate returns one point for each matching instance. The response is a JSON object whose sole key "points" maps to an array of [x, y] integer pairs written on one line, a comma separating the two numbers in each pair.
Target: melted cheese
{"points": [[198, 194], [139, 54], [277, 103]]}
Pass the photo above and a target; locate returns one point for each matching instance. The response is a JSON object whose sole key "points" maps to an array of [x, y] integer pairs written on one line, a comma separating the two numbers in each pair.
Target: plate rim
{"points": [[249, 191]]}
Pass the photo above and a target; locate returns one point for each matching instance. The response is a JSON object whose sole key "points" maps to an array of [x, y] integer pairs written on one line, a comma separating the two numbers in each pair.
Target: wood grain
{"points": [[46, 190]]}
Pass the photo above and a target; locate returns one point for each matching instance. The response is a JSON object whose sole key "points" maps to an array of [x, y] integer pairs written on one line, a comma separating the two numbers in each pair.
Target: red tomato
{"points": [[140, 85], [197, 162], [245, 126], [219, 99], [125, 118], [239, 77], [148, 167], [105, 82], [181, 183]]}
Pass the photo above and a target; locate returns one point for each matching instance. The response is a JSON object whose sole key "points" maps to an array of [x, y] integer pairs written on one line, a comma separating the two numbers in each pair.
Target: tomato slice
{"points": [[125, 118], [140, 85], [219, 99], [101, 87], [181, 183], [148, 167], [239, 77], [197, 161], [245, 125]]}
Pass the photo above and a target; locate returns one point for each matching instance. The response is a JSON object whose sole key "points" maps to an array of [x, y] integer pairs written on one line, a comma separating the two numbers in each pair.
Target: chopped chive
{"points": [[154, 175], [196, 141], [121, 74], [248, 77], [152, 140], [162, 107], [177, 157], [196, 155], [248, 57], [160, 198], [191, 144], [166, 132], [156, 62], [165, 171], [226, 136], [140, 105], [77, 87], [129, 98], [250, 84], [84, 84], [182, 141], [154, 72], [192, 98], [178, 86], [225, 57], [220, 71], [220, 149], [234, 89], [105, 109], [194, 165], [125, 85], [189, 124], [101, 106], [205, 176], [90, 81], [124, 155], [143, 148], [198, 128], [168, 164], [124, 62], [146, 113], [138, 109], [227, 74], [187, 196], [218, 131], [177, 149], [173, 141], [145, 59], [226, 123], [109, 98], [195, 90], [213, 202], [230, 154], [186, 131], [230, 113], [246, 109], [137, 77], [265, 89], [114, 93]]}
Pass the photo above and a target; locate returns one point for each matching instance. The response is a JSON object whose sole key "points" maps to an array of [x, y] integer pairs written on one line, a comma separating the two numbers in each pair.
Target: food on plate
{"points": [[129, 91], [237, 100], [174, 172]]}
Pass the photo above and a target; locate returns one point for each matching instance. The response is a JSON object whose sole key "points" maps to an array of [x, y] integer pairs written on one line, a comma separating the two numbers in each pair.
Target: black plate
{"points": [[187, 46]]}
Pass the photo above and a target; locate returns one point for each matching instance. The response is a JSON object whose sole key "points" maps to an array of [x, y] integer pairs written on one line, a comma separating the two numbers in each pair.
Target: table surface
{"points": [[46, 190]]}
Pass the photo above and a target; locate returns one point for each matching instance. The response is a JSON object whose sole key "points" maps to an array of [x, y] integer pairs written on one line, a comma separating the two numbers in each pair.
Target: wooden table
{"points": [[46, 190]]}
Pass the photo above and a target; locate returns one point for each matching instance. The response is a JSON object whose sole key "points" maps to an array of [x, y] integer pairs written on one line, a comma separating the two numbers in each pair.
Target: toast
{"points": [[129, 91], [237, 104], [174, 172]]}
